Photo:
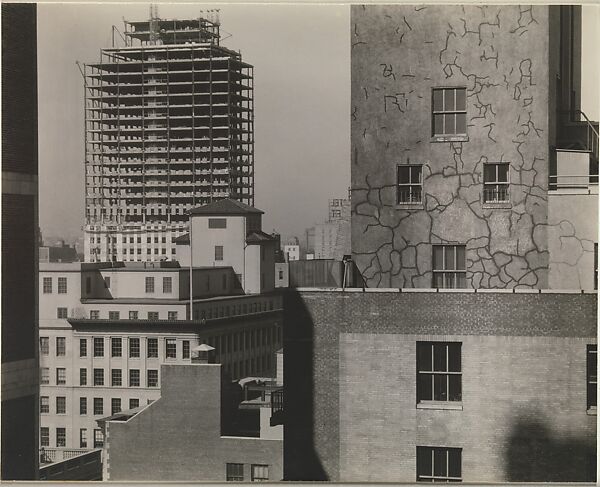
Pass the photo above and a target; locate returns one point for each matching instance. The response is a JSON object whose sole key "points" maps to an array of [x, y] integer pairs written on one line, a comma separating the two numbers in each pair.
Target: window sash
{"points": [[436, 381], [134, 347], [235, 472], [134, 378], [116, 347], [62, 285], [47, 285], [98, 406], [149, 284], [452, 273], [167, 285], [152, 345], [61, 346], [116, 378], [171, 348], [592, 376], [98, 438], [98, 347], [82, 405], [152, 378], [83, 347], [435, 464], [61, 437]]}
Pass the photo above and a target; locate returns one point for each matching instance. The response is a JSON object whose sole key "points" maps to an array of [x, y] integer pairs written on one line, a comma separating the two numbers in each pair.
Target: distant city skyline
{"points": [[301, 58]]}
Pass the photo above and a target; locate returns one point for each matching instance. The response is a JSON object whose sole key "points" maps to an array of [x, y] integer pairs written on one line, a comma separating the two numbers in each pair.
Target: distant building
{"points": [[196, 431], [291, 249], [61, 253]]}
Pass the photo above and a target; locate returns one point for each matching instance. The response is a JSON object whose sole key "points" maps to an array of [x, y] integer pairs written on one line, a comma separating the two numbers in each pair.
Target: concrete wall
{"points": [[354, 415], [178, 437], [399, 53]]}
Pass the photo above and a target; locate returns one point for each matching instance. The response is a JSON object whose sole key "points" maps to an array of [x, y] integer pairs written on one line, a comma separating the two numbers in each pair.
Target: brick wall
{"points": [[354, 415]]}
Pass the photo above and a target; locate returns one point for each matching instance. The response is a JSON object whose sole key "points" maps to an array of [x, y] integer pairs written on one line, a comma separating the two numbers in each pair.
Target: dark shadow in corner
{"points": [[300, 458], [534, 453]]}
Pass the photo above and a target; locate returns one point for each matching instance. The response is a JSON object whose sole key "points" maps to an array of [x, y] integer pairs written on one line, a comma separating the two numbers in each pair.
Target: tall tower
{"points": [[168, 127]]}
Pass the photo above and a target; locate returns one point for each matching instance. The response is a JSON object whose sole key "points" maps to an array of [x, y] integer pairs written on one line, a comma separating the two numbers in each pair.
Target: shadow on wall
{"points": [[534, 453], [300, 458]]}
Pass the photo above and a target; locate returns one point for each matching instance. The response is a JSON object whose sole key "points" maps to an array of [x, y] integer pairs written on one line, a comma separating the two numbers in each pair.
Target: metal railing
{"points": [[496, 194], [52, 455], [579, 181], [412, 195]]}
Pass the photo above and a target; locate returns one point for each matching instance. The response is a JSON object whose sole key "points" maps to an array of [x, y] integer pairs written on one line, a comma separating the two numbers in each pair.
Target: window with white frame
{"points": [[98, 347], [114, 315], [83, 376], [61, 405], [218, 252], [98, 406], [61, 376], [235, 472], [260, 473], [98, 438], [134, 378], [47, 285], [116, 347], [186, 348], [410, 183], [439, 464], [83, 406], [61, 346], [449, 115], [45, 375], [152, 347], [153, 315], [61, 437], [94, 314], [44, 436], [44, 345], [61, 313], [167, 284], [449, 266], [83, 347], [152, 378], [439, 373], [496, 182], [134, 403], [62, 285], [115, 405], [149, 284], [98, 377], [170, 348], [44, 404], [133, 315], [116, 378], [83, 438], [134, 348]]}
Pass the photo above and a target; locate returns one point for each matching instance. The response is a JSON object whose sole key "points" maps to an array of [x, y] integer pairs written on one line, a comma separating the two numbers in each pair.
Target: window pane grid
{"points": [[449, 266], [449, 111], [410, 184], [496, 183], [439, 464], [435, 379]]}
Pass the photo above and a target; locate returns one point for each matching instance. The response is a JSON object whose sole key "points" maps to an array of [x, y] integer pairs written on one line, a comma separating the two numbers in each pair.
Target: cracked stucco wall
{"points": [[501, 55]]}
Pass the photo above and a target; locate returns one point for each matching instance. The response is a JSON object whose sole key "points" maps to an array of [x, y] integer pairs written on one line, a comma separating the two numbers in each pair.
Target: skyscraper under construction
{"points": [[168, 127]]}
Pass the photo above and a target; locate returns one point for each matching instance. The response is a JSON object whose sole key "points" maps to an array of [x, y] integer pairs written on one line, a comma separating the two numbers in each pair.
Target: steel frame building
{"points": [[168, 126]]}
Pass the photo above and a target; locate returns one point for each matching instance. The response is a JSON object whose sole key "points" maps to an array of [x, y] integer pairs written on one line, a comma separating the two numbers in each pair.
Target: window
{"points": [[116, 378], [218, 252], [47, 285], [596, 266], [439, 375], [592, 376], [449, 266], [94, 314], [186, 348], [98, 406], [149, 284], [83, 347], [217, 223], [449, 111], [172, 315], [98, 438], [61, 346], [410, 183], [134, 347], [260, 473], [61, 376], [44, 375], [438, 464], [61, 405], [153, 315], [116, 347], [107, 282], [167, 284], [171, 348], [133, 315], [134, 378], [495, 182], [113, 315], [98, 377], [134, 403], [44, 345], [61, 313], [235, 472], [83, 405], [152, 378], [280, 274], [98, 347], [61, 437], [44, 436], [115, 405], [82, 438], [62, 285], [83, 377], [152, 347], [44, 404]]}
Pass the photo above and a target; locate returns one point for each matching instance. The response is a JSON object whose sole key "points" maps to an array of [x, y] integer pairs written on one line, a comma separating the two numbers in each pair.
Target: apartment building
{"points": [[106, 328], [169, 127]]}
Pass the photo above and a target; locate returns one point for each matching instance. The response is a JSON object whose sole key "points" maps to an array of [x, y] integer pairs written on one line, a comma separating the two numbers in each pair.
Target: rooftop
{"points": [[225, 207]]}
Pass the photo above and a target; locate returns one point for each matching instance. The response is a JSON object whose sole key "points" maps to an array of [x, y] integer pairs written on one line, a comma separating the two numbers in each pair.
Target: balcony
{"points": [[53, 455]]}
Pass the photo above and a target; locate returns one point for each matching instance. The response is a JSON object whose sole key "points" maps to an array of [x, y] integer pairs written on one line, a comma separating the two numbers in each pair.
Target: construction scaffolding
{"points": [[169, 123]]}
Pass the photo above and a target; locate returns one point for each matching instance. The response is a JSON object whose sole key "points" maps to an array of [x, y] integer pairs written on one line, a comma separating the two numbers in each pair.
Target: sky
{"points": [[301, 58]]}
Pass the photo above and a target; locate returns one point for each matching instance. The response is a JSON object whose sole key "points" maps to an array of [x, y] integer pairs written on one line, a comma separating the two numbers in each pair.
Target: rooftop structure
{"points": [[169, 127]]}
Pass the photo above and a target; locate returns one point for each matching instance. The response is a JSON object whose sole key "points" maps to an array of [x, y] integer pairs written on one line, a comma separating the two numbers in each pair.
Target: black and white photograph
{"points": [[272, 242]]}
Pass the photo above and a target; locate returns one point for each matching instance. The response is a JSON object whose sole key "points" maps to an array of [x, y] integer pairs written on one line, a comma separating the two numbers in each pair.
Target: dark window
{"points": [[172, 315], [449, 267], [114, 315], [107, 282], [133, 315], [449, 111], [218, 252], [134, 378], [260, 473], [595, 266], [186, 348], [83, 377], [439, 376], [167, 284], [44, 404], [44, 345], [153, 315], [94, 314], [116, 347], [61, 437], [439, 464], [171, 348], [83, 405], [62, 285], [152, 378], [115, 405], [149, 284], [83, 347], [98, 438], [47, 285], [116, 378], [217, 223], [152, 345], [44, 436], [44, 375], [134, 347], [82, 438], [235, 472], [410, 183], [61, 376], [592, 376], [98, 347], [61, 313], [61, 346], [495, 182], [98, 406], [61, 405], [98, 377], [134, 403]]}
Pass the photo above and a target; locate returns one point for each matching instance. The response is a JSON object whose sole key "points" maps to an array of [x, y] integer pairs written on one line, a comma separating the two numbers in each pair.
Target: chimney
{"points": [[203, 354]]}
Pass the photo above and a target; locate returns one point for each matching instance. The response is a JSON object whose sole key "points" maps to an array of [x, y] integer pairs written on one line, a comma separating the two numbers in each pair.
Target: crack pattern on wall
{"points": [[399, 53]]}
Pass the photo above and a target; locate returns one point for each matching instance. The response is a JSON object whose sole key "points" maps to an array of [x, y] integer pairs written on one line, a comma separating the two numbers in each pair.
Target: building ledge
{"points": [[449, 405], [440, 291]]}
